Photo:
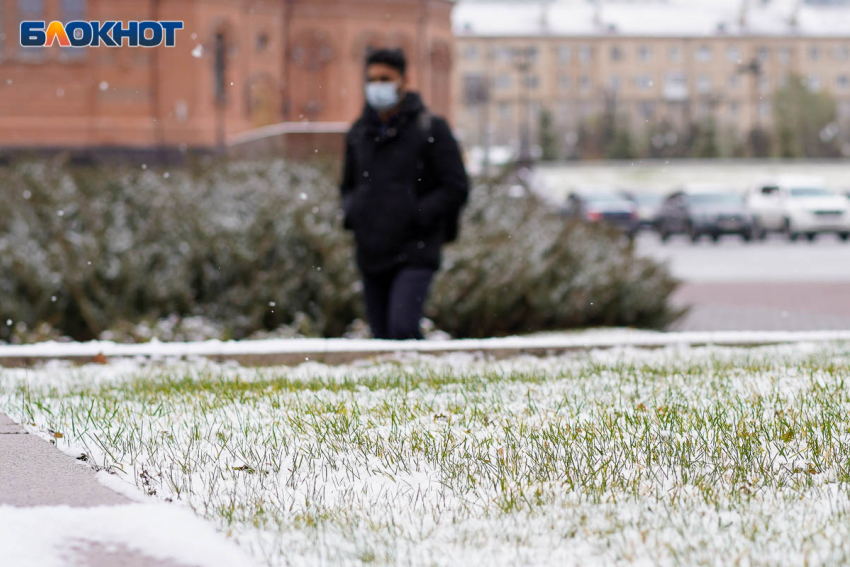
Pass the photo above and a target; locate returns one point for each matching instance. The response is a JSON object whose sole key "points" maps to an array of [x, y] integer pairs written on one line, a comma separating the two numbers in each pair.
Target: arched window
{"points": [[2, 32], [441, 64], [31, 10], [263, 101], [364, 43], [73, 10], [312, 50], [220, 68]]}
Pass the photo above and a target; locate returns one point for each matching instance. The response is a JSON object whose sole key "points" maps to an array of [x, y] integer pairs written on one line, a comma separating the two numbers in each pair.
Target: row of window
{"points": [[649, 110], [702, 83], [646, 109], [35, 10], [704, 53]]}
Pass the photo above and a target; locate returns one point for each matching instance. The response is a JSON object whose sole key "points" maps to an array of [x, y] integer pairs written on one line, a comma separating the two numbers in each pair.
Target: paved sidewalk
{"points": [[43, 491], [34, 473]]}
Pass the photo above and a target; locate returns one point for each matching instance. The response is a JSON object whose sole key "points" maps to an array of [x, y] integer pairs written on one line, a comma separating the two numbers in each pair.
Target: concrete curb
{"points": [[289, 352], [9, 427]]}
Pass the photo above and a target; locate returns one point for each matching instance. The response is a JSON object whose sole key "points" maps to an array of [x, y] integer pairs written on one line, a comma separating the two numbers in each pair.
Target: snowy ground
{"points": [[58, 536], [675, 456]]}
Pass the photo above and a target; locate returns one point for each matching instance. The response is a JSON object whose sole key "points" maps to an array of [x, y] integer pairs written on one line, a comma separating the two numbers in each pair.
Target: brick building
{"points": [[238, 65]]}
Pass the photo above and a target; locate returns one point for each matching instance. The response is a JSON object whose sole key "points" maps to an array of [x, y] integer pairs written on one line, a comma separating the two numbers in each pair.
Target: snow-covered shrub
{"points": [[252, 247], [248, 246], [520, 267]]}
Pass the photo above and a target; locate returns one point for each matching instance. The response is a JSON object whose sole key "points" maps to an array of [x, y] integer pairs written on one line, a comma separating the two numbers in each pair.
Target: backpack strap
{"points": [[425, 120], [424, 123]]}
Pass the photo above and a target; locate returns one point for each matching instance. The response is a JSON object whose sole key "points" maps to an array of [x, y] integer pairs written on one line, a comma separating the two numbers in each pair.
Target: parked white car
{"points": [[798, 206]]}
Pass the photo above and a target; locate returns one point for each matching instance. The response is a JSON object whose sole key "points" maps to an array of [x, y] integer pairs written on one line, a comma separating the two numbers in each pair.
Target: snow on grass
{"points": [[702, 456]]}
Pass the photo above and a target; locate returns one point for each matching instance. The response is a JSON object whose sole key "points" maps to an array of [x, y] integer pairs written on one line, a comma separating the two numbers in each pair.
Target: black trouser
{"points": [[395, 300]]}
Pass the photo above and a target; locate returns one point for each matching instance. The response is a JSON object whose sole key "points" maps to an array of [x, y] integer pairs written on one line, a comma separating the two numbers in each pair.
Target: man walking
{"points": [[403, 187]]}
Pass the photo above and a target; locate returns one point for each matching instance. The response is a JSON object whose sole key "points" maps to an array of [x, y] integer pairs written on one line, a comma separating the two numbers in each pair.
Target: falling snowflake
{"points": [[198, 52], [104, 85]]}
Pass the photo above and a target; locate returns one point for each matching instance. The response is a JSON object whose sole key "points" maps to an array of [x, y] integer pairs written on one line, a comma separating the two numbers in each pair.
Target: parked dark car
{"points": [[705, 211], [648, 207], [605, 208]]}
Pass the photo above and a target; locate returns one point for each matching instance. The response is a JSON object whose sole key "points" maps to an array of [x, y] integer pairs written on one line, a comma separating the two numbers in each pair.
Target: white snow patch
{"points": [[51, 536], [119, 485]]}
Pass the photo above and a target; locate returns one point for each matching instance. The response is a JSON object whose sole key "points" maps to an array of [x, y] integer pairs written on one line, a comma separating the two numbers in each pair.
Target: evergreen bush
{"points": [[252, 247]]}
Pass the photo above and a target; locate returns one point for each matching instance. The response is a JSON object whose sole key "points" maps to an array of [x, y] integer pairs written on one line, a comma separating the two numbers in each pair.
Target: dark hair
{"points": [[390, 57]]}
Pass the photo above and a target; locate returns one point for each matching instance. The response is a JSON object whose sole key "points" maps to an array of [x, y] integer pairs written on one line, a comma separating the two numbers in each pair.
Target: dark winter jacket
{"points": [[403, 185]]}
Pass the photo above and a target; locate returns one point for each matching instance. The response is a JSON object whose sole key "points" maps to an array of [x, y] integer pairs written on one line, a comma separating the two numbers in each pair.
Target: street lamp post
{"points": [[758, 143], [754, 69], [220, 73], [485, 116], [477, 95], [522, 62]]}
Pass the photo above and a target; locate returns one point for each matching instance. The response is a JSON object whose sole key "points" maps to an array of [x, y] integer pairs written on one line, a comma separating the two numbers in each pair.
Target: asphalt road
{"points": [[773, 285], [827, 259]]}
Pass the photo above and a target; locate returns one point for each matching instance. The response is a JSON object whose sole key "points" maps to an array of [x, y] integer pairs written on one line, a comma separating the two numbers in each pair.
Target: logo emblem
{"points": [[110, 33]]}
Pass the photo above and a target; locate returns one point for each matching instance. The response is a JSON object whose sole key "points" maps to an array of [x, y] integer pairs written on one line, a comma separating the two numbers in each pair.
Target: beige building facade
{"points": [[657, 82]]}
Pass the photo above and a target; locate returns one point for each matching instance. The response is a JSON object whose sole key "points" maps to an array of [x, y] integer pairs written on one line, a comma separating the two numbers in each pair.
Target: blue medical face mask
{"points": [[382, 96]]}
